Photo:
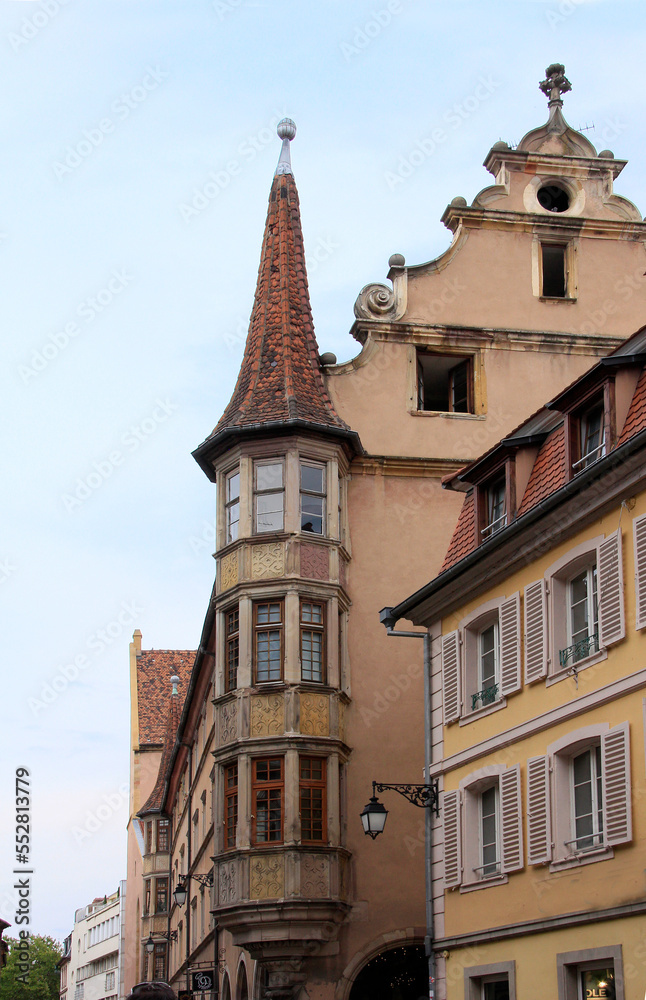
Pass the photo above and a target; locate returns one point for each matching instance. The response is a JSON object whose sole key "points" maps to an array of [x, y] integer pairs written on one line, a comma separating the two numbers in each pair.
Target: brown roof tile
{"points": [[636, 419], [280, 378], [156, 797], [548, 472], [154, 670], [464, 536]]}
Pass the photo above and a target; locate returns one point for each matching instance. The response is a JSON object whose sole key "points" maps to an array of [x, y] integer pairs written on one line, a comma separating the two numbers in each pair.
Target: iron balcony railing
{"points": [[590, 457], [494, 526], [487, 696], [579, 650]]}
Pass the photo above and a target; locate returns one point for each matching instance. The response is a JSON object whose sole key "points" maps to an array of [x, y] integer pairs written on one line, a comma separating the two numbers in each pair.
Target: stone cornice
{"points": [[487, 218], [395, 465], [564, 920]]}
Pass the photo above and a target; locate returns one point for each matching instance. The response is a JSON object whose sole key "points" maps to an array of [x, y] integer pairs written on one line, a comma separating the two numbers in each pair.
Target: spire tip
{"points": [[286, 131]]}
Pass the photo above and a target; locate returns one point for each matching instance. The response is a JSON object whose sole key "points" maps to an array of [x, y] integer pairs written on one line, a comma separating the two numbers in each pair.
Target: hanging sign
{"points": [[203, 981]]}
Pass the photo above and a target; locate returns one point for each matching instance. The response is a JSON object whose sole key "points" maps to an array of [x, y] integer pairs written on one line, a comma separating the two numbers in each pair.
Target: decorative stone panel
{"points": [[228, 883], [315, 562], [162, 862], [267, 715], [315, 714], [267, 561], [267, 877], [315, 876], [229, 571], [228, 722]]}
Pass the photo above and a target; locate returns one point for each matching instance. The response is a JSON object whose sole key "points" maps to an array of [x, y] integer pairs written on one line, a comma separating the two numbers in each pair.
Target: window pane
{"points": [[598, 984], [269, 512], [312, 479], [233, 487], [233, 521], [269, 477], [496, 991], [312, 613]]}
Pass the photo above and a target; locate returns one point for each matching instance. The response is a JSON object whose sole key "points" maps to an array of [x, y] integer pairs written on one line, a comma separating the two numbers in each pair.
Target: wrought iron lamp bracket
{"points": [[206, 879], [424, 796]]}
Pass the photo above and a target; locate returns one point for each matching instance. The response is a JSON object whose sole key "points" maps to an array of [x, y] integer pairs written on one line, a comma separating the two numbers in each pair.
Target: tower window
{"points": [[554, 263], [267, 800], [313, 780], [312, 498], [230, 804], [233, 505], [232, 649], [269, 496], [268, 641], [312, 641], [444, 384]]}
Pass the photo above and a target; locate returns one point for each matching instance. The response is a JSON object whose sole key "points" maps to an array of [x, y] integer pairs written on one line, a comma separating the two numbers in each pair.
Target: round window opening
{"points": [[553, 198]]}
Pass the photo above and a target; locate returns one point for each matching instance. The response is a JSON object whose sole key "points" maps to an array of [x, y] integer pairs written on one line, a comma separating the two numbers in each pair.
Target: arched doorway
{"points": [[226, 989], [396, 974]]}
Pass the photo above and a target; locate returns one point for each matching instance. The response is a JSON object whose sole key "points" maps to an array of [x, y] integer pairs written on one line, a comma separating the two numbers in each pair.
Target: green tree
{"points": [[42, 977]]}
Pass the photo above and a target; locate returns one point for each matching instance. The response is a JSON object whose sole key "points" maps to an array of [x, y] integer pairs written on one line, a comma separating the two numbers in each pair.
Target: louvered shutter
{"points": [[451, 676], [535, 632], [511, 828], [539, 847], [615, 771], [639, 535], [611, 591], [510, 645], [452, 852]]}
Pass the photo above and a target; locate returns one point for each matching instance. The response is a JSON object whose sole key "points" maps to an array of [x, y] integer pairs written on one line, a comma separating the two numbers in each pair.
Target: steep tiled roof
{"points": [[154, 670], [280, 378], [174, 711], [548, 472], [636, 419], [464, 536]]}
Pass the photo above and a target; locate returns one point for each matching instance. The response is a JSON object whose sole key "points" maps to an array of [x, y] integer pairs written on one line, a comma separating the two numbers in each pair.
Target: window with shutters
{"points": [[584, 613], [639, 543], [483, 828], [579, 798], [490, 643]]}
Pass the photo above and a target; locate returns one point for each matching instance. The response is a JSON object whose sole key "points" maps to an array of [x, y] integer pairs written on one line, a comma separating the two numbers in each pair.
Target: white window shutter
{"points": [[535, 632], [451, 676], [539, 845], [511, 827], [615, 770], [611, 591], [452, 845], [510, 645], [639, 536]]}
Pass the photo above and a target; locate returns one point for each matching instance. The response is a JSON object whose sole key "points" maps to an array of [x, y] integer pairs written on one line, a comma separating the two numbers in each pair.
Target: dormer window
{"points": [[269, 496], [592, 437], [496, 507], [444, 384]]}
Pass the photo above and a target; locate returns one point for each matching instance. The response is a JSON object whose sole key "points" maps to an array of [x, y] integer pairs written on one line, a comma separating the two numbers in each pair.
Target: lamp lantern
{"points": [[374, 817]]}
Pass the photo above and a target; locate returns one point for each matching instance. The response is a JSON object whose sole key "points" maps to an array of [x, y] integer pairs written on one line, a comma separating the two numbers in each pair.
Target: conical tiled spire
{"points": [[280, 380]]}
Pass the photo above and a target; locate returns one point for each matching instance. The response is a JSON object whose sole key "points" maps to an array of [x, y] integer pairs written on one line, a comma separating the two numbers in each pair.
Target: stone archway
{"points": [[242, 989], [399, 973]]}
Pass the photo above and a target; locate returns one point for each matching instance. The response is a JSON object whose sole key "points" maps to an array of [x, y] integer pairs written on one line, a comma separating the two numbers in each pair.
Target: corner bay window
{"points": [[162, 834], [161, 895], [232, 653], [230, 804], [268, 641], [232, 505], [267, 789], [312, 799], [312, 641], [313, 493], [444, 384], [269, 496]]}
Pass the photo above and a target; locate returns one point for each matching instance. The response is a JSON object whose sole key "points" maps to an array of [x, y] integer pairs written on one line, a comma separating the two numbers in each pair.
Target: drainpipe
{"points": [[189, 820], [387, 620]]}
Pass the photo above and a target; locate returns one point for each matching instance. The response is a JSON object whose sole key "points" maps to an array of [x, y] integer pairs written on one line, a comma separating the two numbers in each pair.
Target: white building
{"points": [[95, 969]]}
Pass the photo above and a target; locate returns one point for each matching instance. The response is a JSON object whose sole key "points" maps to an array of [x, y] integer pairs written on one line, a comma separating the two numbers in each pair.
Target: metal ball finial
{"points": [[286, 129]]}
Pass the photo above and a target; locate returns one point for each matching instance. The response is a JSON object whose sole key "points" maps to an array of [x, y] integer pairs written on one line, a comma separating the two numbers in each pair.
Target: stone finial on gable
{"points": [[555, 84]]}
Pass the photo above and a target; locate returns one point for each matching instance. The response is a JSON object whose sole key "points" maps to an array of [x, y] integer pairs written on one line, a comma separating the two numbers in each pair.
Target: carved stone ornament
{"points": [[315, 714], [315, 876], [268, 561], [375, 302], [267, 715], [555, 83], [315, 562], [229, 571], [228, 883], [282, 980], [228, 722], [267, 877]]}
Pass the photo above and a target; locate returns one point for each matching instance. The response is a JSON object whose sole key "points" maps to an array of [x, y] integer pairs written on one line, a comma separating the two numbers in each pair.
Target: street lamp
{"points": [[150, 943], [181, 891], [374, 814]]}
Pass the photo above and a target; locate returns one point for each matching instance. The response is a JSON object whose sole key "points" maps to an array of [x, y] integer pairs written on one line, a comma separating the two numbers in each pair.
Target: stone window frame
{"points": [[475, 974], [570, 963]]}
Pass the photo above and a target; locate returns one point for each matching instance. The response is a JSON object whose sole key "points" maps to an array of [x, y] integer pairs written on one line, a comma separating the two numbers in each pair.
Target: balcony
{"points": [[486, 697]]}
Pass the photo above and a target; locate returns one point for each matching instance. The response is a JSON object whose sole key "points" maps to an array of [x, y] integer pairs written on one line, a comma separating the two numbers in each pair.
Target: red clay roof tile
{"points": [[464, 536], [548, 472], [280, 378], [636, 419], [155, 668]]}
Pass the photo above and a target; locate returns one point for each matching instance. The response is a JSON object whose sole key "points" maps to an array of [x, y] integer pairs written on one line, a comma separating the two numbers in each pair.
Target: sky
{"points": [[138, 148]]}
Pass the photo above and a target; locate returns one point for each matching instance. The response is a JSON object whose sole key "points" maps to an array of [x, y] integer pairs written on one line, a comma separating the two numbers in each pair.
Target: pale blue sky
{"points": [[124, 314]]}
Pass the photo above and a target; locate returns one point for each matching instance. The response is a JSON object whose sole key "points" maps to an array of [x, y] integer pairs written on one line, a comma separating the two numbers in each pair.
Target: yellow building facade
{"points": [[538, 626]]}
